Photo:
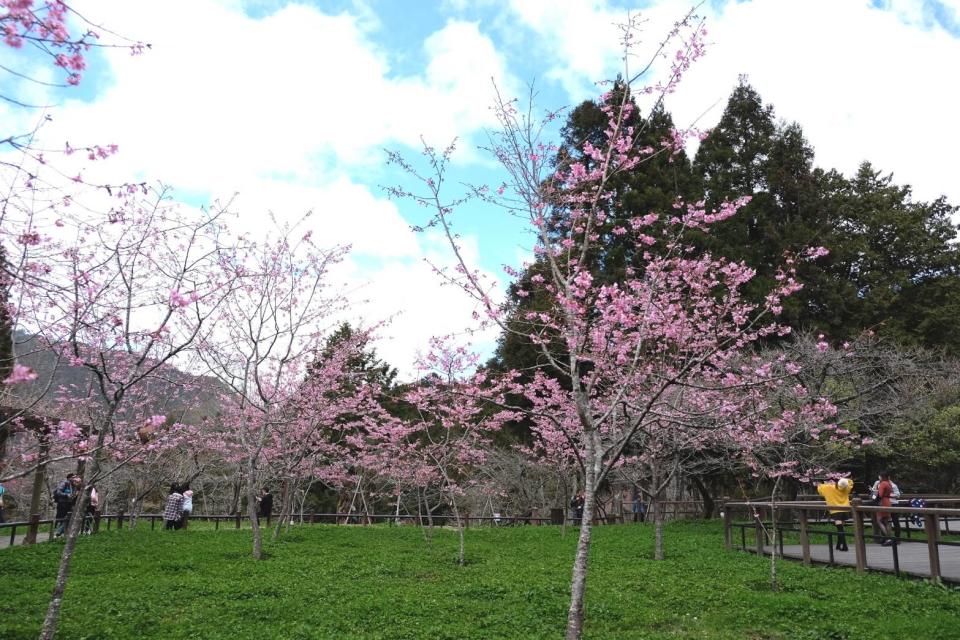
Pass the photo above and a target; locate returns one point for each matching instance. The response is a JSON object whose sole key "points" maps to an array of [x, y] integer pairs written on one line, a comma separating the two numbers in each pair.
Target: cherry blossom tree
{"points": [[667, 346], [282, 404], [448, 439], [121, 298]]}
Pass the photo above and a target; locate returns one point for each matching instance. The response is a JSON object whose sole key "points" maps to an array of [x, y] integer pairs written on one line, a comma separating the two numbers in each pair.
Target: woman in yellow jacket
{"points": [[837, 494]]}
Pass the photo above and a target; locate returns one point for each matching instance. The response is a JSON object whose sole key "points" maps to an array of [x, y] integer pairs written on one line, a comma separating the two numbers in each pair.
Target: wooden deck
{"points": [[913, 557]]}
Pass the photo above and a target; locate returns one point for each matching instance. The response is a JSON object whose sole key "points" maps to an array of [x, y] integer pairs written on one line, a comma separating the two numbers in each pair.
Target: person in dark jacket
{"points": [[65, 496], [266, 504], [576, 507]]}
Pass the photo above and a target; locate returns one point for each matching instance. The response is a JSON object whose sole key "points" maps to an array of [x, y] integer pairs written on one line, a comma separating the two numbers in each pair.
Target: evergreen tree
{"points": [[653, 186]]}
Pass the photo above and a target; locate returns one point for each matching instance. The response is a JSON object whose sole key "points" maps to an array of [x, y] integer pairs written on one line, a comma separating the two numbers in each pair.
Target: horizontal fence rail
{"points": [[928, 550], [38, 529]]}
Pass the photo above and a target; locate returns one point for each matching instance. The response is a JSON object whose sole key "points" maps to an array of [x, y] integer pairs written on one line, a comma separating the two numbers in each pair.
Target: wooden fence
{"points": [[807, 520], [38, 529]]}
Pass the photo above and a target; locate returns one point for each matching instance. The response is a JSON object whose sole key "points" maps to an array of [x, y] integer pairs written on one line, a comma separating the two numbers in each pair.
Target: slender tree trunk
{"points": [[658, 553], [774, 584], [396, 515], [578, 581], [36, 493], [51, 620], [709, 506], [287, 498], [252, 508]]}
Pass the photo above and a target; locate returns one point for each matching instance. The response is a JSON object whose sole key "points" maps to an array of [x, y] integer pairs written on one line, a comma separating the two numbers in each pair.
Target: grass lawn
{"points": [[387, 582]]}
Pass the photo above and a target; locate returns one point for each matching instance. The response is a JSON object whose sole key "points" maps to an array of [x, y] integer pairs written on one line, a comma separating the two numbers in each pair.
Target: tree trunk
{"points": [[578, 581], [51, 620], [36, 493], [709, 506], [252, 508], [285, 501], [774, 585], [657, 511], [658, 553]]}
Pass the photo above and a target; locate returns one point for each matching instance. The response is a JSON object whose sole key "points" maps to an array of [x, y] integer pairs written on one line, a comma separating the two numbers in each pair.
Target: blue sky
{"points": [[290, 105]]}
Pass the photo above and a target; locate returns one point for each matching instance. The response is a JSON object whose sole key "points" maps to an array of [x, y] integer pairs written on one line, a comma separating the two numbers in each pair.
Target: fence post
{"points": [[804, 536], [859, 543], [727, 525], [238, 520], [120, 520], [931, 525], [96, 521]]}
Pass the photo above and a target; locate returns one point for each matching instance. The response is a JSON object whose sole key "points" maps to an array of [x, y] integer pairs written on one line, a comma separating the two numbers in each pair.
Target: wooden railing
{"points": [[796, 517], [38, 529]]}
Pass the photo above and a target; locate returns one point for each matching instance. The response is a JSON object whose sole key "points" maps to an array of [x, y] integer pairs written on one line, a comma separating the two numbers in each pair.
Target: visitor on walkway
{"points": [[65, 496], [187, 508], [2, 491], [173, 509], [894, 500], [885, 496], [93, 505], [837, 494]]}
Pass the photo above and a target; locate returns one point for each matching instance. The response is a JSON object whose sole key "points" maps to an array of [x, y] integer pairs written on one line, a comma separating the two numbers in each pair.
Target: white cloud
{"points": [[865, 83], [286, 110]]}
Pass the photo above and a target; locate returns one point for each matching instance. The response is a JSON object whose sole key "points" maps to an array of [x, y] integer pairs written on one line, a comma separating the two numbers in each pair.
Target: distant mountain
{"points": [[179, 395]]}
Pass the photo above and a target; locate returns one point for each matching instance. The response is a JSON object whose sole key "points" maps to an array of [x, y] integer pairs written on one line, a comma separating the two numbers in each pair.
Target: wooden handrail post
{"points": [[237, 523], [859, 543], [932, 526], [120, 520], [727, 525], [804, 536]]}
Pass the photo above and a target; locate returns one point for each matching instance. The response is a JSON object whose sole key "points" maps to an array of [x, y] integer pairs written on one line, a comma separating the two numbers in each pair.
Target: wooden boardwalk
{"points": [[913, 557]]}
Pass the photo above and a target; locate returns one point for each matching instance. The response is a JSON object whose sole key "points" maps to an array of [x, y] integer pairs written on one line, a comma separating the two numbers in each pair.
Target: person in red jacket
{"points": [[885, 496]]}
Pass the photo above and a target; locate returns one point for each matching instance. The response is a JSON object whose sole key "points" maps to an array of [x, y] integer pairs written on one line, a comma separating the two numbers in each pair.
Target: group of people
{"points": [[637, 505], [883, 493], [178, 507]]}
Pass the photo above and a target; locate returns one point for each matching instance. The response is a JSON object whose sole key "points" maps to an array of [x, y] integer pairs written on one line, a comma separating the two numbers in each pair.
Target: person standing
{"points": [[837, 494], [894, 499], [93, 506], [65, 496], [173, 509], [266, 504], [2, 491], [187, 508], [885, 496], [576, 507]]}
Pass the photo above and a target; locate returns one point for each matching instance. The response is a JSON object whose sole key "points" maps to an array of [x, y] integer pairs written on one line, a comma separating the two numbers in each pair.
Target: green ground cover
{"points": [[387, 582]]}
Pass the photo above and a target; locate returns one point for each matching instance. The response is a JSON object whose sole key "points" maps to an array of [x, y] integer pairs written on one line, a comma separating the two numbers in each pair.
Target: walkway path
{"points": [[913, 558]]}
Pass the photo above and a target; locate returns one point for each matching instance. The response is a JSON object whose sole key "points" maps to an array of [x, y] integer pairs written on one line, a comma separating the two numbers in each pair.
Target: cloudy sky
{"points": [[290, 105]]}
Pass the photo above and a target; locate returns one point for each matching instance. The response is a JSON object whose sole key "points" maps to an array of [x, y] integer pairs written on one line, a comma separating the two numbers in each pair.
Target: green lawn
{"points": [[387, 582]]}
